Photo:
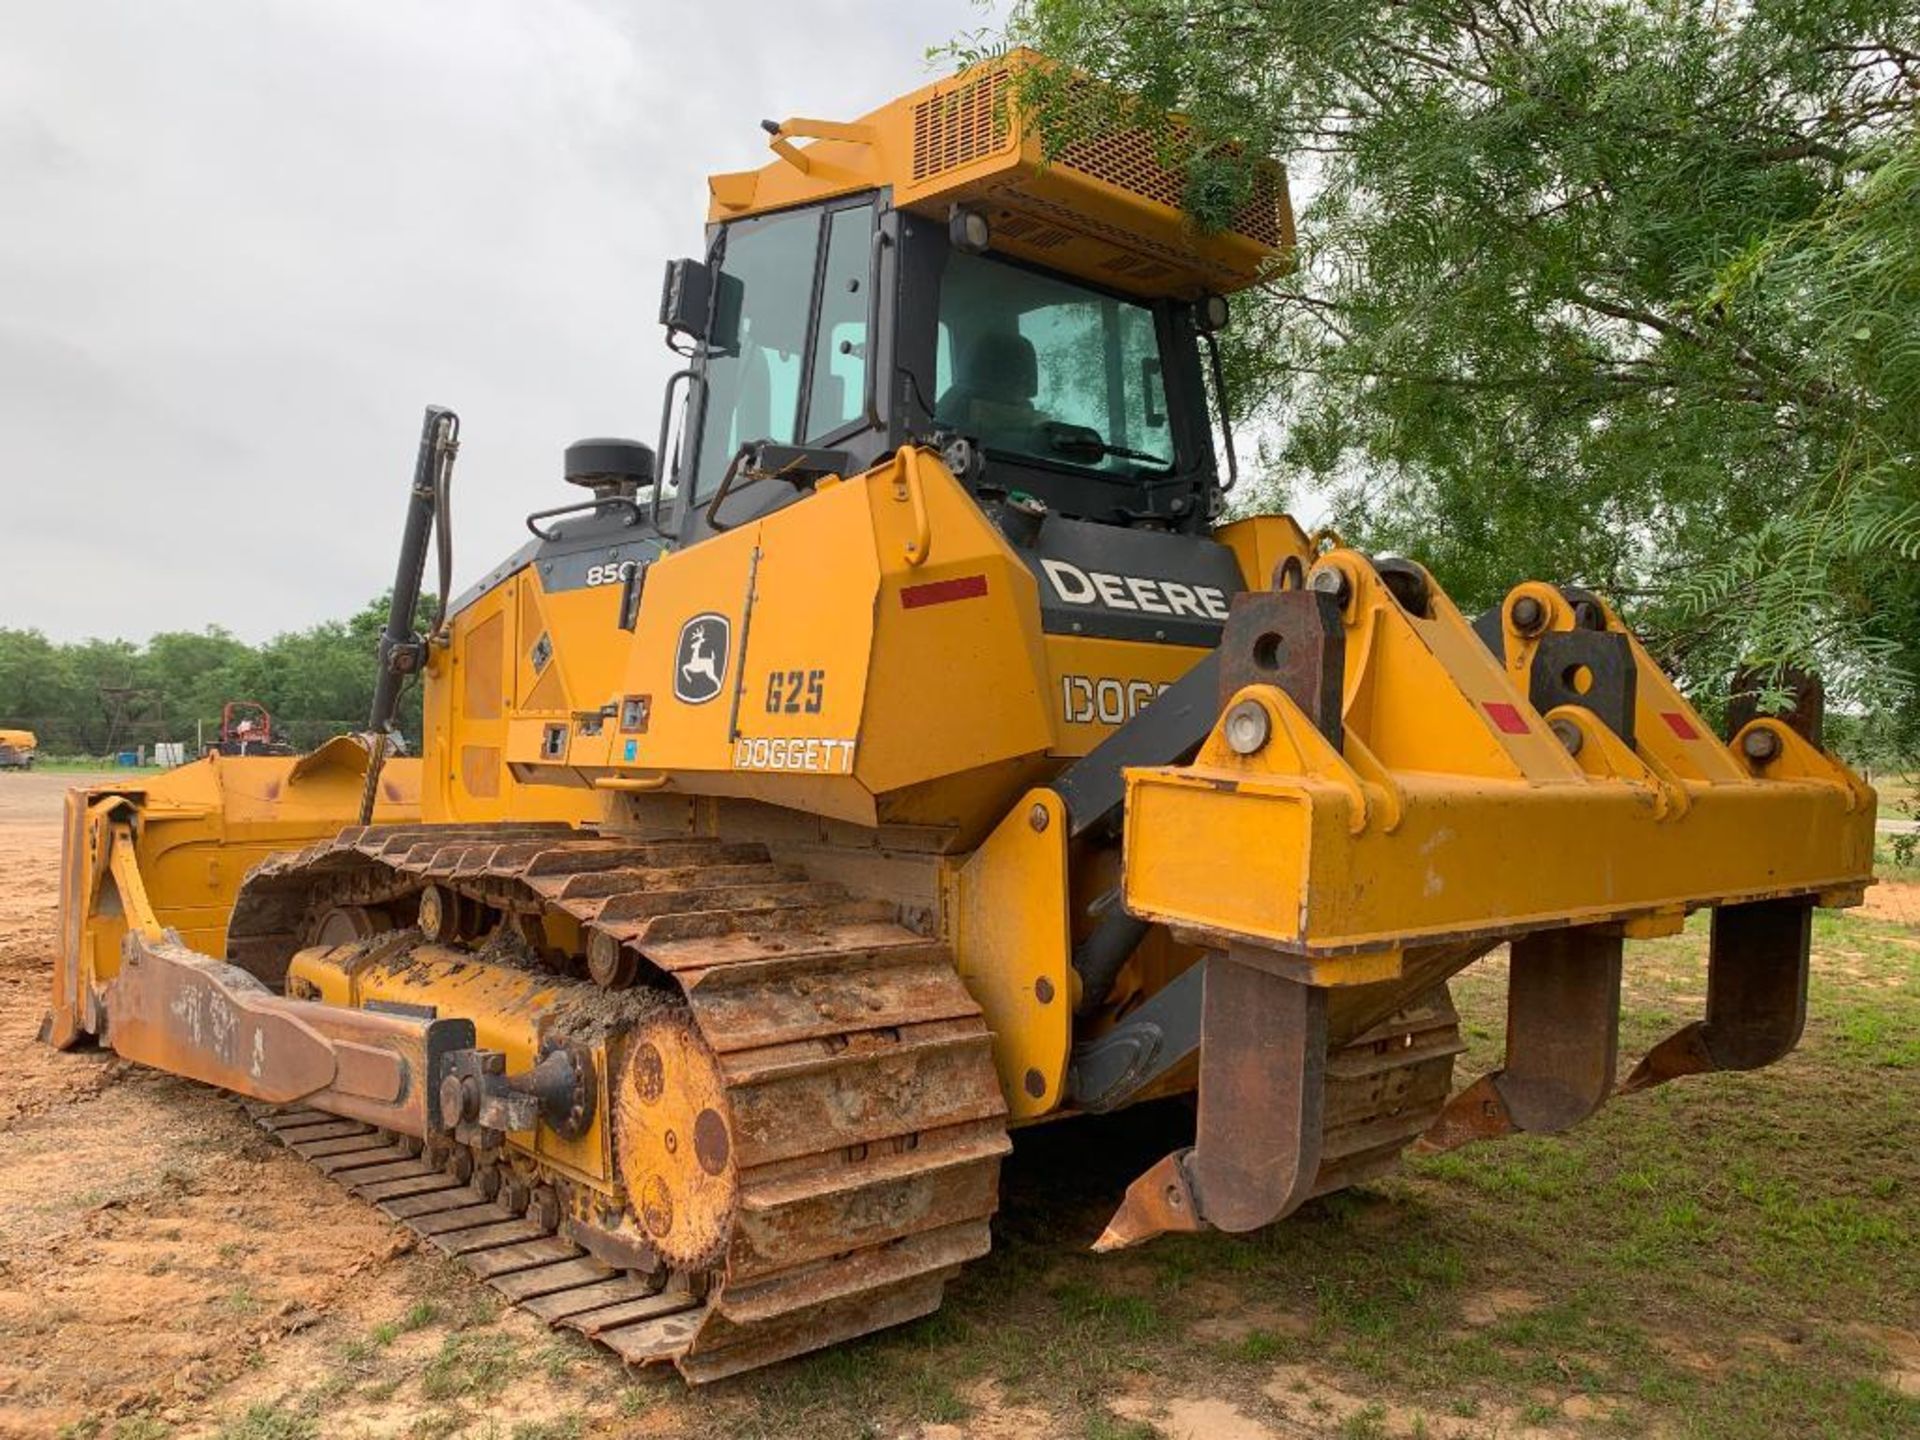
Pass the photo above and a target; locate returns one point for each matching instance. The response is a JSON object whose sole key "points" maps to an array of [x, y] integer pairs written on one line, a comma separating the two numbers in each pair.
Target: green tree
{"points": [[91, 696], [1611, 293], [194, 673], [32, 683]]}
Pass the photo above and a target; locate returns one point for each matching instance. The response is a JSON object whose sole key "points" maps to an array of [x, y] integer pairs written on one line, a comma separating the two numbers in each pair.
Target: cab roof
{"points": [[1103, 208]]}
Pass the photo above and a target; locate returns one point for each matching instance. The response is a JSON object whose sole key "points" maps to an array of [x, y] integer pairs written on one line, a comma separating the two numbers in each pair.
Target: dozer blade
{"points": [[1546, 787], [186, 839]]}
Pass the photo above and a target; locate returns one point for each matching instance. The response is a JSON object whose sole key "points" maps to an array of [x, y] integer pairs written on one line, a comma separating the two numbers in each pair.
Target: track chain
{"points": [[867, 1121]]}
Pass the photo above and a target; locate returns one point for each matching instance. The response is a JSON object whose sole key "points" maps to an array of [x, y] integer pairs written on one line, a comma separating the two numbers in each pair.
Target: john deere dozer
{"points": [[921, 756]]}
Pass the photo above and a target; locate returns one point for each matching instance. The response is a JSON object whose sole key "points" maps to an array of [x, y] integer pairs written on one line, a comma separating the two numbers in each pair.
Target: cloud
{"points": [[244, 241]]}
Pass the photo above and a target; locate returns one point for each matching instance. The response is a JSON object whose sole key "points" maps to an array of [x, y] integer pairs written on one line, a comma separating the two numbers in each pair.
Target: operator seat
{"points": [[993, 388]]}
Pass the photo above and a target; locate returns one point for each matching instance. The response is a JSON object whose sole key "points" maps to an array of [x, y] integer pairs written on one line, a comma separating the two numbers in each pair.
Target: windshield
{"points": [[1036, 366]]}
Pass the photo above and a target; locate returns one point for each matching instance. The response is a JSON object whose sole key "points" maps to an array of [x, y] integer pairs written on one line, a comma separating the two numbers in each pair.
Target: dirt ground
{"points": [[164, 1270], [159, 1253]]}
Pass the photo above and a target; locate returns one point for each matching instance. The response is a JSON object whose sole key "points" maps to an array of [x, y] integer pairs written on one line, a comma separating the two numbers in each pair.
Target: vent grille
{"points": [[1127, 158], [1136, 267], [957, 127], [971, 121], [1178, 260], [1029, 231]]}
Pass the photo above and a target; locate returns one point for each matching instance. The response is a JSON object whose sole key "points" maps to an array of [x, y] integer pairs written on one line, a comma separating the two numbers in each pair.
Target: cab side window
{"points": [[839, 387], [789, 332], [759, 338]]}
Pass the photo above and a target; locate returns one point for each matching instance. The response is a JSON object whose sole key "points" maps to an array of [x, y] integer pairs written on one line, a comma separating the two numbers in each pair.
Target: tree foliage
{"points": [[91, 697], [1611, 293]]}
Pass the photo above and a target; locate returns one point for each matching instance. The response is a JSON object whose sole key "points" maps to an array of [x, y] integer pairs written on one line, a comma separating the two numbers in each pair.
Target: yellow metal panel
{"points": [[484, 661], [1298, 866], [879, 635], [1426, 694], [1008, 913], [1261, 543], [1452, 813], [958, 661], [1669, 732], [484, 680], [480, 770]]}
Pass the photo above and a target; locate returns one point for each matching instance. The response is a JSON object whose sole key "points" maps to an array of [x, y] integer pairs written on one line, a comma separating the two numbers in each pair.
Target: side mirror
{"points": [[686, 298]]}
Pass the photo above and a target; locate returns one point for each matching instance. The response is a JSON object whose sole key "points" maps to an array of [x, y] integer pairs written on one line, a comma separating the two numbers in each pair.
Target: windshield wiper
{"points": [[1084, 442]]}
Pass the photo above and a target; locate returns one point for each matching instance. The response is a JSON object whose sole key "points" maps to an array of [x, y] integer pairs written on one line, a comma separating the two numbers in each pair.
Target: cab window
{"points": [[839, 383], [769, 357], [1035, 366]]}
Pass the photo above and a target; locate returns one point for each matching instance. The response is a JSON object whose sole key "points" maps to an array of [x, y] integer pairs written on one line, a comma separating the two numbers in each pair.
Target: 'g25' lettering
{"points": [[796, 692]]}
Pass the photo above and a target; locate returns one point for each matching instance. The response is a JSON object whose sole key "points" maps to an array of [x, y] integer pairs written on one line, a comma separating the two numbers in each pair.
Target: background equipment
{"points": [[18, 749]]}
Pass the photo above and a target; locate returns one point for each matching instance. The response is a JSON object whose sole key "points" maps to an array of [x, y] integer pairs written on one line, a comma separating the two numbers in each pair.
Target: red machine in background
{"points": [[246, 728]]}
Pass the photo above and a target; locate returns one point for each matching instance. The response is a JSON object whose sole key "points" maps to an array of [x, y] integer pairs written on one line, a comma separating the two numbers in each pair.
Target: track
{"points": [[865, 1122], [859, 1161]]}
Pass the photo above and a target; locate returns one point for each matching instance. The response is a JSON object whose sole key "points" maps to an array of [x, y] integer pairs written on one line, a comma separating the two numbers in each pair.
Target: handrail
{"points": [[632, 784], [907, 489]]}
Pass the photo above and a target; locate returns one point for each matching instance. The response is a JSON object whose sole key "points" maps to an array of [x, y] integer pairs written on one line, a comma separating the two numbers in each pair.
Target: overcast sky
{"points": [[242, 242]]}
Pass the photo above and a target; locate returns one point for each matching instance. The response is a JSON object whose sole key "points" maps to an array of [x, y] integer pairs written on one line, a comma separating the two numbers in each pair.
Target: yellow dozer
{"points": [[917, 754], [18, 749]]}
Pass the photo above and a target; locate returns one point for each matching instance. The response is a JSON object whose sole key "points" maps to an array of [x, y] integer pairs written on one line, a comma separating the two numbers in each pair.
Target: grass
{"points": [[470, 1365], [269, 1422], [1896, 858], [1714, 1259], [88, 765], [420, 1314], [1897, 789], [568, 1428], [1701, 1256]]}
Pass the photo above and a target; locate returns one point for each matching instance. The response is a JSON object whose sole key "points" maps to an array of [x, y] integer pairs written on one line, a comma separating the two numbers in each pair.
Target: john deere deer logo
{"points": [[700, 663]]}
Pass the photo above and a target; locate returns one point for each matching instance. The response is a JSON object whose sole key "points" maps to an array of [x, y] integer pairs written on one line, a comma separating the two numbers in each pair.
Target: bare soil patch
{"points": [[1896, 901]]}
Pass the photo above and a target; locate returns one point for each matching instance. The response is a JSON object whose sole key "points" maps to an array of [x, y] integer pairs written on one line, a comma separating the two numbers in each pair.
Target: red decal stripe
{"points": [[1506, 717], [939, 592], [1679, 725]]}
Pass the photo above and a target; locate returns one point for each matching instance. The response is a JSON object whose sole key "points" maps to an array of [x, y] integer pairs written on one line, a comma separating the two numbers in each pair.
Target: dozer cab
{"points": [[904, 749]]}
